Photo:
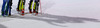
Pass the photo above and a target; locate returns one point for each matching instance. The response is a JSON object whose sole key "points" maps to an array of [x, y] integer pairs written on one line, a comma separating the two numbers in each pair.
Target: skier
{"points": [[6, 7], [21, 6], [35, 7], [9, 10], [3, 6], [30, 6]]}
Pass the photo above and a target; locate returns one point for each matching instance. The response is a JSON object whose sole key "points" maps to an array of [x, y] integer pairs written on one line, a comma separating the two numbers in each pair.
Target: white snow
{"points": [[56, 14]]}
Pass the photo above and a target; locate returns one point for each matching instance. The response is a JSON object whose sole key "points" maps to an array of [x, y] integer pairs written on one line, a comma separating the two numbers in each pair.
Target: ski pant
{"points": [[6, 7], [10, 4], [30, 5], [8, 11], [19, 4], [36, 6], [3, 7]]}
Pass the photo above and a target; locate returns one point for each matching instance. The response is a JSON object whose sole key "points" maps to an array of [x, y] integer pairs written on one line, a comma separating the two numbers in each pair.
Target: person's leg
{"points": [[30, 6], [37, 6], [3, 7], [7, 7], [10, 4], [18, 5], [23, 5], [34, 7]]}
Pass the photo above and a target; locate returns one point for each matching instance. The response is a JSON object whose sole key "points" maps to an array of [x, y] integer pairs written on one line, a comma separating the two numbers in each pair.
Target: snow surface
{"points": [[56, 14]]}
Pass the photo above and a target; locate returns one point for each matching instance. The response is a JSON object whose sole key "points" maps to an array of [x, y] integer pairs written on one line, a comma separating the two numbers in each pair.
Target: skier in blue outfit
{"points": [[6, 7], [3, 7]]}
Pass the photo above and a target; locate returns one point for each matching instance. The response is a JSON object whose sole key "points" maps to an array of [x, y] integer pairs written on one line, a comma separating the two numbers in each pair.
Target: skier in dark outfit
{"points": [[10, 4], [19, 4], [35, 8], [30, 9], [8, 10]]}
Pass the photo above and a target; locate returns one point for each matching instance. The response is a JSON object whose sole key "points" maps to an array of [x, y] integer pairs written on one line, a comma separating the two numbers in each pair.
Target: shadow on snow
{"points": [[59, 19], [2, 26]]}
